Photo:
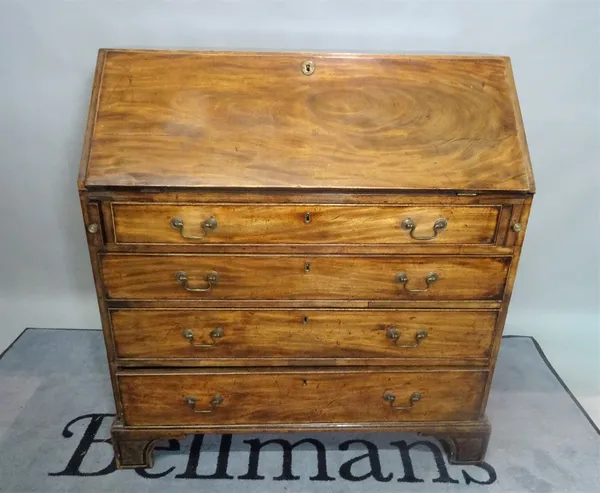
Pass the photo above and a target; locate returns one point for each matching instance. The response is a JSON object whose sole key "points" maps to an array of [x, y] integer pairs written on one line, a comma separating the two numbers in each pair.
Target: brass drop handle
{"points": [[410, 225], [211, 278], [190, 400], [215, 334], [402, 278], [209, 225], [393, 333], [391, 398]]}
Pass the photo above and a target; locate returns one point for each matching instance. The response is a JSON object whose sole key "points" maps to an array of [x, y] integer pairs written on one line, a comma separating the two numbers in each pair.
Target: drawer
{"points": [[259, 337], [313, 396], [303, 224], [293, 277]]}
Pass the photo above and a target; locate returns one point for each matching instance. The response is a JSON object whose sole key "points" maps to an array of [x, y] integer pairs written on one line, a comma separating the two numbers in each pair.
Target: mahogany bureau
{"points": [[303, 242]]}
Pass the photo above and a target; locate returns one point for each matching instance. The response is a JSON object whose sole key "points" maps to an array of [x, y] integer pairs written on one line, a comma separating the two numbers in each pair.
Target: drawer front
{"points": [[270, 277], [265, 335], [229, 397], [304, 224]]}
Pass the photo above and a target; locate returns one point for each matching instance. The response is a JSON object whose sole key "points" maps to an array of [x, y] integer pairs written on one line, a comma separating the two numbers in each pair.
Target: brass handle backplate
{"points": [[209, 225], [391, 398], [402, 278], [393, 333], [215, 334], [410, 225], [191, 401], [212, 278]]}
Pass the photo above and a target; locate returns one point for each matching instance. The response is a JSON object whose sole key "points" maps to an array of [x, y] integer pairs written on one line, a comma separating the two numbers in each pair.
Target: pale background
{"points": [[47, 55]]}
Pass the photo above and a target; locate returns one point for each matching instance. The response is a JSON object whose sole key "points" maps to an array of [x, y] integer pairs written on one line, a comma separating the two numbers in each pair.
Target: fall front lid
{"points": [[266, 121]]}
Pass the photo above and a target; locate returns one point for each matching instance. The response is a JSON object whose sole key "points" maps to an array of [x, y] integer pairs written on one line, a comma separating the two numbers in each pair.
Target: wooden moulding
{"points": [[465, 442]]}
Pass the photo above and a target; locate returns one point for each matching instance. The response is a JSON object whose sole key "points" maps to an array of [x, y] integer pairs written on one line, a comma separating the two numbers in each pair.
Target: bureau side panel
{"points": [[520, 216], [93, 223], [91, 120]]}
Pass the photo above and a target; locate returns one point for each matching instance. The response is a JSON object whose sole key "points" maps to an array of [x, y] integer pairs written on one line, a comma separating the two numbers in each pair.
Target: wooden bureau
{"points": [[303, 242]]}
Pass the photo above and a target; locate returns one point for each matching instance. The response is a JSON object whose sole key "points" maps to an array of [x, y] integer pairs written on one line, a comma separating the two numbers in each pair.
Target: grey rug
{"points": [[56, 408]]}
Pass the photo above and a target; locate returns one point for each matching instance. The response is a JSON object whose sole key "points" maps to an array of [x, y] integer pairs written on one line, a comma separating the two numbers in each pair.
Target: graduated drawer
{"points": [[294, 277], [271, 337], [295, 396], [303, 224]]}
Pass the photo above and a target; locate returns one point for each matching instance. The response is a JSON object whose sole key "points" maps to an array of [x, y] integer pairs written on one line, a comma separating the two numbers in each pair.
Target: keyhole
{"points": [[304, 383], [308, 68], [307, 217], [304, 320], [306, 267]]}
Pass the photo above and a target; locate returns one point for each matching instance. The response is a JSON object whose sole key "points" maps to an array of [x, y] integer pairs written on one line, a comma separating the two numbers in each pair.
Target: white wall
{"points": [[47, 56]]}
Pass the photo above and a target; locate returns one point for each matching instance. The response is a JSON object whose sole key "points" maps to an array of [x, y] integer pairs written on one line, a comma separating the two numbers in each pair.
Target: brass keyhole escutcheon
{"points": [[306, 266], [308, 68], [307, 218]]}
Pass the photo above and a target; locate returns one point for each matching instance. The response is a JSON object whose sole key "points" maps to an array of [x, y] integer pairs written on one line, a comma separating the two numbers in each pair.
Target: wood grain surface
{"points": [[318, 224], [299, 396], [257, 337], [264, 277], [254, 120]]}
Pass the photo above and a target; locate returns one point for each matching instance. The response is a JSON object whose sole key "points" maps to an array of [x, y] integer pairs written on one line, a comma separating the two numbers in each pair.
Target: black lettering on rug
{"points": [[487, 468], [373, 456], [471, 474], [194, 459], [73, 467], [409, 473], [286, 474]]}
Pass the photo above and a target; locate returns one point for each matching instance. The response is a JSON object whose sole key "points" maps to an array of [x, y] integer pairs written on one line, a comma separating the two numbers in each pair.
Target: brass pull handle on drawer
{"points": [[402, 278], [391, 398], [211, 278], [410, 225], [190, 400], [209, 225], [393, 333], [215, 334]]}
